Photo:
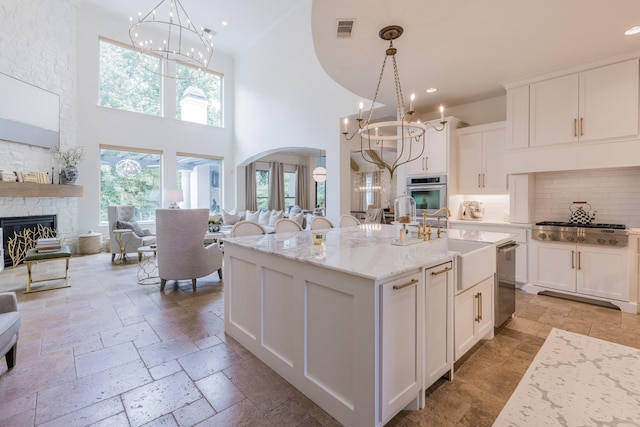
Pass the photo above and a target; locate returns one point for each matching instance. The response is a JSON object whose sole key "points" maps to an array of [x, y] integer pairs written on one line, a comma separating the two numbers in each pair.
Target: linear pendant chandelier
{"points": [[403, 131], [166, 31]]}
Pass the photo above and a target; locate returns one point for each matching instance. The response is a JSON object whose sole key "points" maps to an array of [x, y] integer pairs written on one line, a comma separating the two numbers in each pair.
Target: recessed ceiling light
{"points": [[431, 90], [225, 23], [633, 30]]}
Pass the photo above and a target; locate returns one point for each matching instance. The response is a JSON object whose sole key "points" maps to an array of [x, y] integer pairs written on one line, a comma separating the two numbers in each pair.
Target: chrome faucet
{"points": [[440, 215]]}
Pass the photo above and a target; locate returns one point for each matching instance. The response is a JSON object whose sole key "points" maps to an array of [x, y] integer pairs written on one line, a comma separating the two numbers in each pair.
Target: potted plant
{"points": [[70, 158]]}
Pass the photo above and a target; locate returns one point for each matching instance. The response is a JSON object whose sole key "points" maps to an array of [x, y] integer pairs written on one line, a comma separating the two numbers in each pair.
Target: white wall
{"points": [[97, 125], [285, 99], [37, 46]]}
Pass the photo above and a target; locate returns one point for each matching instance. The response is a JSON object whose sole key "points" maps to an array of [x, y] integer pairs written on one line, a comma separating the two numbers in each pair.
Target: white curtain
{"points": [[276, 186], [302, 186], [250, 183]]}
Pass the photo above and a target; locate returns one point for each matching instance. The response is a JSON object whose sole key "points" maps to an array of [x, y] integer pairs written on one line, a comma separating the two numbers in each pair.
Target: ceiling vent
{"points": [[344, 28]]}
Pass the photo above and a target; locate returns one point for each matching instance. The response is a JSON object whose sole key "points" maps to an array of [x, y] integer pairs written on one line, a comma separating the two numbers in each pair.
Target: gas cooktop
{"points": [[569, 232], [573, 224]]}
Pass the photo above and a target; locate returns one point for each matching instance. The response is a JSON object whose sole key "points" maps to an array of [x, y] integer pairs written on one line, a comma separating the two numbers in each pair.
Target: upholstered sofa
{"points": [[10, 321]]}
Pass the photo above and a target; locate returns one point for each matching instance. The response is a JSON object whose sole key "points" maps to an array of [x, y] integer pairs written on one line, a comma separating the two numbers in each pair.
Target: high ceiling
{"points": [[465, 48]]}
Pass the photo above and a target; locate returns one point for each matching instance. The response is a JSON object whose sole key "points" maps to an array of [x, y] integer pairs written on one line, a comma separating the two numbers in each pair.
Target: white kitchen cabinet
{"points": [[481, 166], [438, 346], [401, 332], [588, 270], [434, 159], [593, 105], [518, 117], [473, 316]]}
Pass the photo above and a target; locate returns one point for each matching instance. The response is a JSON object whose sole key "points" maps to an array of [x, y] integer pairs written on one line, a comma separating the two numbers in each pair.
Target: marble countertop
{"points": [[491, 223], [363, 250]]}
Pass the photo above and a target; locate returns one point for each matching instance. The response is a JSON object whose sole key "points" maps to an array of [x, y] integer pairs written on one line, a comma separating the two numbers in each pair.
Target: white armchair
{"points": [[123, 217], [10, 321], [181, 251]]}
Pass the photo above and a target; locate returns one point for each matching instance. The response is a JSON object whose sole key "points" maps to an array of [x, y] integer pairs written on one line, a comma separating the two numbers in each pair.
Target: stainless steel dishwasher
{"points": [[505, 283]]}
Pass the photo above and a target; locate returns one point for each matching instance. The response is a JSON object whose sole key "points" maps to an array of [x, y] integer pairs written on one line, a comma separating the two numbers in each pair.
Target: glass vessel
{"points": [[404, 210]]}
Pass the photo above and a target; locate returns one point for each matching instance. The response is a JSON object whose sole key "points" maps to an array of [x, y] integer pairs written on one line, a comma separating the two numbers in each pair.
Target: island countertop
{"points": [[365, 250]]}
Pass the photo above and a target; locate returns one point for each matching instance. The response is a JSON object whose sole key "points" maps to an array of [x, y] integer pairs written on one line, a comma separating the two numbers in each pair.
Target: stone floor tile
{"points": [[242, 414], [164, 421], [9, 408], [25, 418], [72, 396], [117, 420], [164, 370], [219, 391], [161, 397], [208, 361], [530, 311], [164, 351], [193, 413], [141, 333], [89, 415], [208, 341], [106, 358]]}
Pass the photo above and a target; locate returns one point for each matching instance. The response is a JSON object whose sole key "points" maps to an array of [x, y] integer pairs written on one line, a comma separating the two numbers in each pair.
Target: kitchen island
{"points": [[360, 326]]}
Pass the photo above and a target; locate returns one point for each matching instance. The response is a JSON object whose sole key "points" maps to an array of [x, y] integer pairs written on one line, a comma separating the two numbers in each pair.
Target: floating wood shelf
{"points": [[31, 189]]}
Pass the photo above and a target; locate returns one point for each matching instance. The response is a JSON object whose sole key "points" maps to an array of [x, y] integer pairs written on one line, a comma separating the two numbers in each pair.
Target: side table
{"points": [[122, 244], [148, 266]]}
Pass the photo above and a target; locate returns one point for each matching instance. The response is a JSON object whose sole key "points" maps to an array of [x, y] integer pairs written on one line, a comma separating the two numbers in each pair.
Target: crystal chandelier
{"points": [[403, 131], [176, 38]]}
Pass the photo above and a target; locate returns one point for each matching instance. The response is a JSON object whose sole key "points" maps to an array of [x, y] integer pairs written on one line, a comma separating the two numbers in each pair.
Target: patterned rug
{"points": [[576, 380]]}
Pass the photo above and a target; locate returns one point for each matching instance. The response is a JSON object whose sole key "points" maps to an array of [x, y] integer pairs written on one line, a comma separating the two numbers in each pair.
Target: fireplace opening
{"points": [[18, 224]]}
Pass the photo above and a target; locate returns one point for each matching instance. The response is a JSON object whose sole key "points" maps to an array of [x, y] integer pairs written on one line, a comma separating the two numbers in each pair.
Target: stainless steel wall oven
{"points": [[429, 192]]}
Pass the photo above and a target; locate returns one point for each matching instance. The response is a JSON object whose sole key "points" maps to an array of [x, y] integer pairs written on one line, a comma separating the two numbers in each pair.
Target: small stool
{"points": [[34, 256]]}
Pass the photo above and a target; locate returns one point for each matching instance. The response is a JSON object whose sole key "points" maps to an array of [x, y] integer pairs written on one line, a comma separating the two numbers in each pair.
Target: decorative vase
{"points": [[69, 175]]}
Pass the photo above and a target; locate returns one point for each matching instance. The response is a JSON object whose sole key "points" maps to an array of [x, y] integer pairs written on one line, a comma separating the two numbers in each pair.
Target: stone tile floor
{"points": [[108, 352]]}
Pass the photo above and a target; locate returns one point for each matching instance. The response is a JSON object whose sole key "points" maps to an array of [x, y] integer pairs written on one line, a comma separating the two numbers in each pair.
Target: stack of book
{"points": [[7, 176], [51, 244]]}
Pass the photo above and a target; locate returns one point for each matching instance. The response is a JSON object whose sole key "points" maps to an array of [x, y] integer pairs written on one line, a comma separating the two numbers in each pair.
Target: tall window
{"points": [[200, 178], [129, 178], [124, 83], [289, 189], [262, 189], [198, 99]]}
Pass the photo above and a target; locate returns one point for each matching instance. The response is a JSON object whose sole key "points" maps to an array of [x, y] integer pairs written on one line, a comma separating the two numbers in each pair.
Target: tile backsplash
{"points": [[613, 193]]}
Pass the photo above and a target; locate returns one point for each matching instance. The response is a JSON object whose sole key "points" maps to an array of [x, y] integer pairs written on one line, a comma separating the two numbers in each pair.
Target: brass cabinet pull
{"points": [[477, 296], [426, 163], [484, 180], [575, 128], [480, 305], [444, 270], [573, 253], [579, 266], [479, 181], [411, 283], [581, 126]]}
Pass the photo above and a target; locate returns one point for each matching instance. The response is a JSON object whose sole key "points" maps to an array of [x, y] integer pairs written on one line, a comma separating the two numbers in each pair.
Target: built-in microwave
{"points": [[429, 192]]}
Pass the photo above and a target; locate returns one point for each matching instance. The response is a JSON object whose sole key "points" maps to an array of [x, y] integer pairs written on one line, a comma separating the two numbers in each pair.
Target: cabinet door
{"points": [[609, 101], [469, 163], [437, 326], [603, 272], [554, 265], [484, 308], [553, 111], [521, 263], [436, 159], [401, 343], [464, 322], [518, 117], [494, 178]]}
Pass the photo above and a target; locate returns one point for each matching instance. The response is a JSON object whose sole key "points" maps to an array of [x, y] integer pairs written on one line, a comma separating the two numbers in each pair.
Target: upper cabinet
{"points": [[592, 105], [434, 157], [582, 117], [481, 159]]}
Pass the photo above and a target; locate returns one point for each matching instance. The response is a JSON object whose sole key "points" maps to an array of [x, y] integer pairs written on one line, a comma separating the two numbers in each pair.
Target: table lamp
{"points": [[173, 196]]}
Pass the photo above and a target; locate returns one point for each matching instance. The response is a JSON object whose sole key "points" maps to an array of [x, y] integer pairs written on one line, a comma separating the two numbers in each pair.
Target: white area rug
{"points": [[576, 380]]}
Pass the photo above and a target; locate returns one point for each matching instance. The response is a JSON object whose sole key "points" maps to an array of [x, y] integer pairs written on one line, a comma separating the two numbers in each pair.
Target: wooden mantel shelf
{"points": [[31, 189]]}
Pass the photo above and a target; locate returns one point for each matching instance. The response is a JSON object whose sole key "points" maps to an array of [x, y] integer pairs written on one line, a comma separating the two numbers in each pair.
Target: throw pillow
{"points": [[263, 219], [131, 225], [275, 216], [229, 218], [298, 217], [252, 216]]}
